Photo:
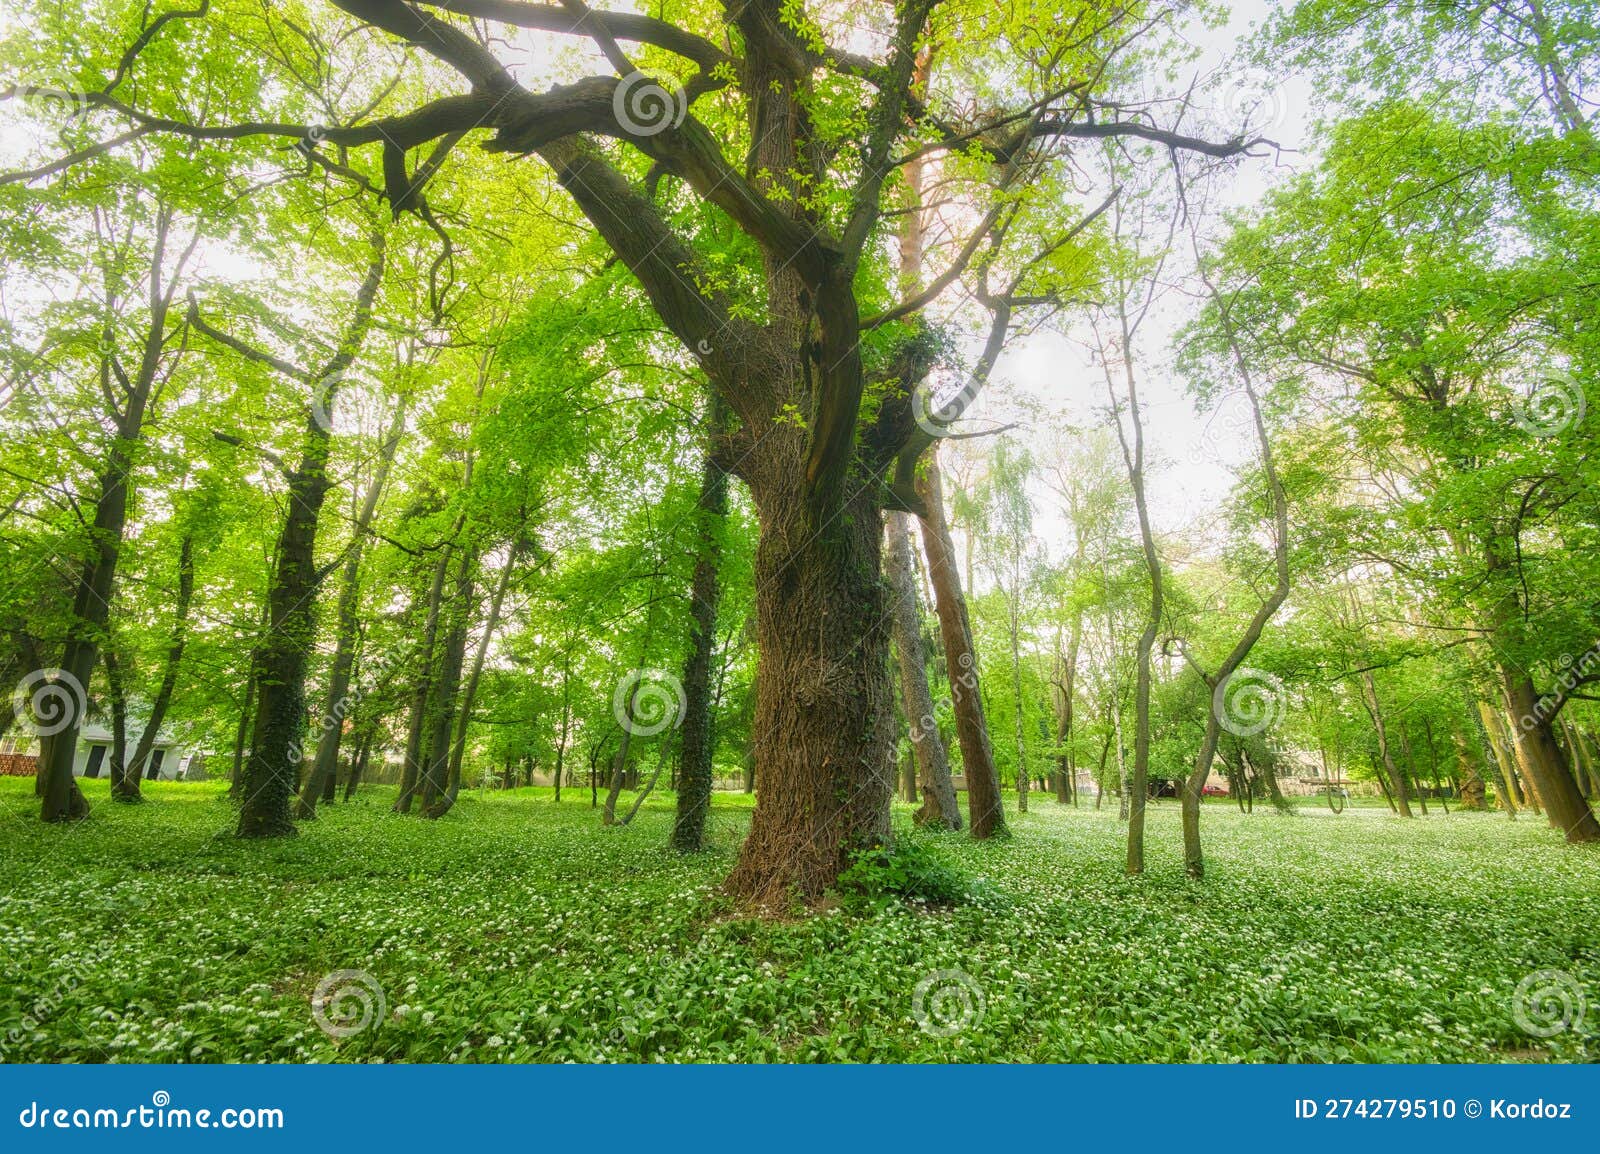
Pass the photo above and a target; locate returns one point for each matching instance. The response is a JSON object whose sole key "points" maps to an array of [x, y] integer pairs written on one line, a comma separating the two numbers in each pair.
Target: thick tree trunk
{"points": [[939, 807], [985, 815], [1472, 787], [271, 774], [91, 607], [705, 596], [1545, 765], [824, 720]]}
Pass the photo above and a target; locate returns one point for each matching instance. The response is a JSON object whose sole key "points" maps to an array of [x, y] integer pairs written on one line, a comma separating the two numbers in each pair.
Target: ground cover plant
{"points": [[514, 931]]}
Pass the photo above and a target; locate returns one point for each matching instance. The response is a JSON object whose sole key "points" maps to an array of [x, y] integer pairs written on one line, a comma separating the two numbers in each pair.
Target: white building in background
{"points": [[170, 758]]}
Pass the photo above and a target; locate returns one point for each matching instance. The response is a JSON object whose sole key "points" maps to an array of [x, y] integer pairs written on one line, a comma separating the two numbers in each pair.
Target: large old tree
{"points": [[755, 200]]}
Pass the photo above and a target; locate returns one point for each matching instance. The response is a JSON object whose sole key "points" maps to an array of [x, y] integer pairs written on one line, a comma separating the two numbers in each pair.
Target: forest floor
{"points": [[516, 930]]}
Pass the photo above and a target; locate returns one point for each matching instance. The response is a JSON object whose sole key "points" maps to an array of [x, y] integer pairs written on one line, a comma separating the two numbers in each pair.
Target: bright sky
{"points": [[1193, 455]]}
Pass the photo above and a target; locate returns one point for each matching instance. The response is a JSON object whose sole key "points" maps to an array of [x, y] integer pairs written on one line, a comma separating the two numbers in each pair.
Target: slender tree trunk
{"points": [[169, 674], [1016, 690], [939, 807], [1396, 783], [122, 789], [469, 693], [436, 795], [1408, 772], [247, 710], [619, 763], [416, 732], [985, 815], [566, 719], [1066, 770], [322, 780], [705, 596], [358, 763], [1133, 458]]}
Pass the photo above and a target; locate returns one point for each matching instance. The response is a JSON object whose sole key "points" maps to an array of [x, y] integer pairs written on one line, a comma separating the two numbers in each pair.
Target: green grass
{"points": [[516, 930]]}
